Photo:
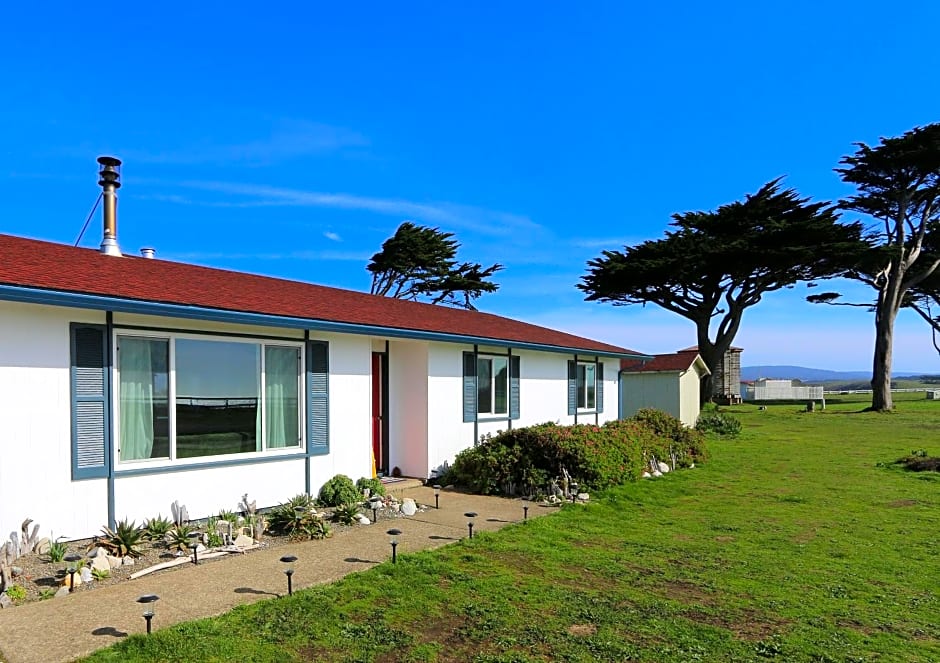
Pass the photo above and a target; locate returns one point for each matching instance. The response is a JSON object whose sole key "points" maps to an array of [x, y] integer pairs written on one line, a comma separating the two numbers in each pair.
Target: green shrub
{"points": [[16, 593], [686, 444], [525, 459], [339, 490], [718, 423], [375, 486]]}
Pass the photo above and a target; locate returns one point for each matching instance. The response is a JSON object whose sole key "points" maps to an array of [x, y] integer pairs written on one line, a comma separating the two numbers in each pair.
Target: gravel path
{"points": [[65, 628]]}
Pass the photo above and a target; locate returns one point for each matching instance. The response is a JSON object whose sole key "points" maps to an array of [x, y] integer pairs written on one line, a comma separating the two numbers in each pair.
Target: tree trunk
{"points": [[711, 358], [886, 311], [881, 399]]}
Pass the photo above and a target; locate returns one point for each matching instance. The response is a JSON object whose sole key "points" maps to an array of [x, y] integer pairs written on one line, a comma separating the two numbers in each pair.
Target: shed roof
{"points": [[32, 269], [676, 362]]}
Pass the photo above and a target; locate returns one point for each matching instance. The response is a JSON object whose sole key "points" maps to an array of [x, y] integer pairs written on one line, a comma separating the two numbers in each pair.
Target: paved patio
{"points": [[65, 628]]}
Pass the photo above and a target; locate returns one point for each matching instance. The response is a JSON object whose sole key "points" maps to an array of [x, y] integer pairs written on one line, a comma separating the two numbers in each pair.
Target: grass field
{"points": [[796, 542]]}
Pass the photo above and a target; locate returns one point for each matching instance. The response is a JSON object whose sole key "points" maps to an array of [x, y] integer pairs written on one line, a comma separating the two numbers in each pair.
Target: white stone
{"points": [[362, 519], [657, 473], [584, 497], [97, 552], [101, 563], [692, 466], [646, 475], [5, 601], [42, 546], [128, 561], [114, 562], [408, 507], [243, 541], [62, 591], [663, 467], [86, 574]]}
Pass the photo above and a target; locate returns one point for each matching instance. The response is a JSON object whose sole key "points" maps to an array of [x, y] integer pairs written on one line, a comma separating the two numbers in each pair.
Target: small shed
{"points": [[726, 380], [669, 382]]}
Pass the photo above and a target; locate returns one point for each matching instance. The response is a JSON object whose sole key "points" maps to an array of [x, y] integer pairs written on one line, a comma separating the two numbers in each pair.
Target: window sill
{"points": [[141, 468]]}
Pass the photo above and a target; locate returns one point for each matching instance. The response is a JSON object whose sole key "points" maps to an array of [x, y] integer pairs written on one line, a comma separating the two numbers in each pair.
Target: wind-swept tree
{"points": [[715, 265], [418, 262], [898, 182]]}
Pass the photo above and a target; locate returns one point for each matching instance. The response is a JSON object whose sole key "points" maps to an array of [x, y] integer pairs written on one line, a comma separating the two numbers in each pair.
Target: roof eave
{"points": [[125, 305]]}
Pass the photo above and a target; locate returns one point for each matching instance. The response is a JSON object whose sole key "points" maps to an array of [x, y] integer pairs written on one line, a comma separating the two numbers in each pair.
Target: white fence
{"points": [[778, 392]]}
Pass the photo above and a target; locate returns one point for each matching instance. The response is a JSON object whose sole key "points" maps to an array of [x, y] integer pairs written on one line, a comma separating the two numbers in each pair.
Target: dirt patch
{"points": [[724, 539], [805, 536], [582, 629], [685, 592], [897, 504], [747, 625]]}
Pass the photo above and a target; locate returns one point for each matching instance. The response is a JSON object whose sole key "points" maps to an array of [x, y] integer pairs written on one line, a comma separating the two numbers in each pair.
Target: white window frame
{"points": [[221, 459], [490, 358], [585, 365]]}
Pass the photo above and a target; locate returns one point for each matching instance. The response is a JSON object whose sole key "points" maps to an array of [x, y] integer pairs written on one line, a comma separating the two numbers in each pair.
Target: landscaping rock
{"points": [[128, 561], [97, 552], [114, 562], [243, 541], [42, 546], [5, 601], [646, 475], [86, 574], [584, 497], [408, 507], [16, 571], [362, 519], [663, 467], [657, 473], [101, 563], [62, 591], [67, 580]]}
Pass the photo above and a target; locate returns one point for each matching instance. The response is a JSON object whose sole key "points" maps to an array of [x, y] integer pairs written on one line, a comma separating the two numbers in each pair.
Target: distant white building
{"points": [[767, 389]]}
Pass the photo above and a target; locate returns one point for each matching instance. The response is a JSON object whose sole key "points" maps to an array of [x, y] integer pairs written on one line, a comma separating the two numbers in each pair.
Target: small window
{"points": [[492, 385], [587, 386]]}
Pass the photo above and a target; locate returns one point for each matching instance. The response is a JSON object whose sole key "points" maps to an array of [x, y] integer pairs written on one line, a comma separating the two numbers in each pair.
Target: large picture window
{"points": [[183, 398]]}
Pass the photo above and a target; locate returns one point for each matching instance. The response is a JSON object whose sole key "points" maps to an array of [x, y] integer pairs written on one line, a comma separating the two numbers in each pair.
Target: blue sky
{"points": [[292, 139]]}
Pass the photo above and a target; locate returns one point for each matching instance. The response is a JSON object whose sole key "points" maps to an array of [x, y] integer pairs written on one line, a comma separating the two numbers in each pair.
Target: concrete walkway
{"points": [[66, 628]]}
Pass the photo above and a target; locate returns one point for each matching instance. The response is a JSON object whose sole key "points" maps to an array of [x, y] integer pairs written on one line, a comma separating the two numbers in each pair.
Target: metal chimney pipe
{"points": [[148, 253], [109, 179]]}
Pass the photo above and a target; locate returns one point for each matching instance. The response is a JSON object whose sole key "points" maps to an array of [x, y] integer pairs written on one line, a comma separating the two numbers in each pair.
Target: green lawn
{"points": [[797, 541]]}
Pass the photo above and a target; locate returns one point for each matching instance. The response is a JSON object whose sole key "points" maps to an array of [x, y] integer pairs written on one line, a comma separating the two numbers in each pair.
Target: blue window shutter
{"points": [[90, 407], [514, 387], [469, 386], [318, 398], [599, 387], [572, 387]]}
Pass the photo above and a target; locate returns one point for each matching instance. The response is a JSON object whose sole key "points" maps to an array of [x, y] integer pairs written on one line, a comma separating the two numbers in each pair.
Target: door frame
{"points": [[380, 385]]}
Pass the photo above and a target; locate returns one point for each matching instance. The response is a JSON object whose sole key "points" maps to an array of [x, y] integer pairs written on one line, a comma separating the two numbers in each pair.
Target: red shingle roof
{"points": [[677, 361], [57, 267]]}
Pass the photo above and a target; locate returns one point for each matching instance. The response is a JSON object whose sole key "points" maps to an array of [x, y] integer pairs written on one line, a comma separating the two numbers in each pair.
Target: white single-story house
{"points": [[128, 383], [669, 382]]}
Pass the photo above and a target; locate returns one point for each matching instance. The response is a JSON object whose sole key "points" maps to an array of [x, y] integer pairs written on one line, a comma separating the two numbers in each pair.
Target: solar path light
{"points": [[289, 572], [194, 538], [394, 534], [437, 496], [149, 601], [72, 568], [471, 515]]}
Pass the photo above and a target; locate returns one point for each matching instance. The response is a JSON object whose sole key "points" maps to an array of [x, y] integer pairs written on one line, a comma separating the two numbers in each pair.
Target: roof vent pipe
{"points": [[148, 253], [109, 179]]}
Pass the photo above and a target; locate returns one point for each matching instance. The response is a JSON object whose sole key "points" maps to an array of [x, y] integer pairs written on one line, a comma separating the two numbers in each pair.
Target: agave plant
{"points": [[156, 529], [346, 513], [298, 521], [179, 536], [123, 541]]}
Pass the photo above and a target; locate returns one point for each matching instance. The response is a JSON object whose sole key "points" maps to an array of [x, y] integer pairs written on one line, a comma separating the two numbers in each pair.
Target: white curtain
{"points": [[136, 396], [280, 396]]}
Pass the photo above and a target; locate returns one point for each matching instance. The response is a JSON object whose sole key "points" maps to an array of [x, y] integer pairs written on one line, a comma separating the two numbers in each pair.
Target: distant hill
{"points": [[806, 374]]}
